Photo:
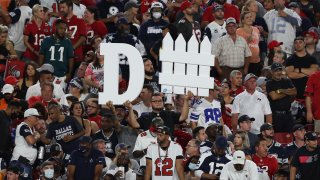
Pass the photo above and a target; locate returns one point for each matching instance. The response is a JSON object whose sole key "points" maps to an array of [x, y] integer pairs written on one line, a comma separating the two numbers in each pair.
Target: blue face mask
{"points": [[48, 173], [192, 166]]}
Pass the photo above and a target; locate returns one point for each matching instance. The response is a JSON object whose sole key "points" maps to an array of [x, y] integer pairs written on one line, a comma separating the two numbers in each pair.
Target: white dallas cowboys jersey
{"points": [[144, 139], [281, 30], [216, 31], [163, 167], [205, 113]]}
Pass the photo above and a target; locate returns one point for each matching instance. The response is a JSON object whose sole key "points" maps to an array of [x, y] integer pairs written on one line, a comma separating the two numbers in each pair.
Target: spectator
{"points": [[46, 75], [244, 123], [192, 150], [100, 145], [25, 138], [280, 93], [170, 118], [95, 27], [76, 89], [228, 101], [217, 156], [13, 173], [77, 111], [216, 28], [239, 168], [65, 130], [281, 24], [18, 18], [75, 32], [310, 9], [243, 105], [273, 47], [305, 21], [93, 109], [123, 149], [279, 57], [274, 148], [107, 132], [86, 162], [251, 34], [207, 110], [264, 161], [298, 72], [312, 104], [172, 153], [229, 9], [34, 32], [78, 9], [151, 30], [47, 170], [144, 106], [307, 167], [262, 85], [144, 139], [268, 5], [298, 131], [199, 133], [108, 12], [188, 26], [30, 77], [236, 83], [150, 77], [57, 50], [241, 142], [229, 57], [311, 38], [8, 96], [131, 13], [124, 162], [46, 95]]}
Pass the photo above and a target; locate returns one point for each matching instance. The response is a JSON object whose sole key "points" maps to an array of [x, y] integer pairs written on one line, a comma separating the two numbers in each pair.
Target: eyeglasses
{"points": [[92, 107]]}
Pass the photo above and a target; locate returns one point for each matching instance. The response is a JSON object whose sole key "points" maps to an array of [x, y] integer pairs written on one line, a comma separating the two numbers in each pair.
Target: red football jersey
{"points": [[268, 164], [36, 35], [229, 11], [98, 28], [76, 29]]}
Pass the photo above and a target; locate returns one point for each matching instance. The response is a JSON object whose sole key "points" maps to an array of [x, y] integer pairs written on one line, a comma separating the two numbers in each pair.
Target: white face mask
{"points": [[192, 166], [48, 173], [156, 15]]}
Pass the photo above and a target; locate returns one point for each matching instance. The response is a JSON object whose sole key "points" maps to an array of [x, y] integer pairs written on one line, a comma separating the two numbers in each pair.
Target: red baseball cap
{"points": [[185, 5], [311, 33], [273, 44], [11, 80]]}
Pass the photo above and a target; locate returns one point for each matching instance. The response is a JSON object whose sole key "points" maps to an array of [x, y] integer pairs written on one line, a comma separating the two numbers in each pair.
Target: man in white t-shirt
{"points": [[252, 103], [145, 104], [239, 168], [164, 160]]}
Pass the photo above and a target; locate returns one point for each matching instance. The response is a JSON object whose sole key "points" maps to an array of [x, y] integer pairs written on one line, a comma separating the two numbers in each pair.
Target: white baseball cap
{"points": [[31, 112], [239, 157], [7, 88]]}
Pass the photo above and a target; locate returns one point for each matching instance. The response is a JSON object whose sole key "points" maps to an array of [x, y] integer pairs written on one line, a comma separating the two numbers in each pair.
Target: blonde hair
{"points": [[4, 29], [247, 4], [245, 139], [36, 8], [242, 15]]}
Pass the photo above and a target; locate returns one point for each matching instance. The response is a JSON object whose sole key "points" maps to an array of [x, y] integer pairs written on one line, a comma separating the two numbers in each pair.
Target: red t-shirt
{"points": [[36, 36], [268, 164], [238, 91], [229, 11], [76, 27], [96, 119], [98, 28], [313, 90], [145, 5]]}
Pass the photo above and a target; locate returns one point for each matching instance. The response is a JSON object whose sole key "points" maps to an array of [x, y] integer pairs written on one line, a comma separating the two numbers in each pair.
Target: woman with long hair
{"points": [[252, 35], [228, 101], [77, 110], [29, 78], [241, 142]]}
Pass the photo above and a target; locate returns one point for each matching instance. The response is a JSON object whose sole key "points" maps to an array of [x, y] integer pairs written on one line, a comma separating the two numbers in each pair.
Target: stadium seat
{"points": [[283, 138]]}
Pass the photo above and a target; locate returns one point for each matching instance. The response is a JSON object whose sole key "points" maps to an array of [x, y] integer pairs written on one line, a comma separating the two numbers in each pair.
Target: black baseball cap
{"points": [[297, 127], [163, 130], [221, 142], [310, 136], [85, 139], [55, 148], [276, 66], [245, 118], [266, 126]]}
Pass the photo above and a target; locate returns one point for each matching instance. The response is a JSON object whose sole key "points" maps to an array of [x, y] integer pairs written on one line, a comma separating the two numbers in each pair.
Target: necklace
{"points": [[160, 159]]}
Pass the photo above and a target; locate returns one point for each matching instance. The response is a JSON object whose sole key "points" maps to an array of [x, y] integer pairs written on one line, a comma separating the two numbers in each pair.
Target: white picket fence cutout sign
{"points": [[186, 66]]}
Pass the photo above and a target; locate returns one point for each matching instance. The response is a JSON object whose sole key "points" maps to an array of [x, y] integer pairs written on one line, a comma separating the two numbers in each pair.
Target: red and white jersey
{"points": [[98, 28], [76, 30], [268, 164], [164, 162], [144, 139], [36, 35]]}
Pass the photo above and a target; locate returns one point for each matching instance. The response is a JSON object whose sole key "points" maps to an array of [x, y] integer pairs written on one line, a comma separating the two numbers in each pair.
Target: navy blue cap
{"points": [[85, 139], [245, 118], [276, 66], [221, 142], [297, 127], [122, 20], [310, 136]]}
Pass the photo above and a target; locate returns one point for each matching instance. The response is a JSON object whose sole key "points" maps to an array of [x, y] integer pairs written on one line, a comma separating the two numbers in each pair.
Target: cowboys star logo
{"points": [[113, 10]]}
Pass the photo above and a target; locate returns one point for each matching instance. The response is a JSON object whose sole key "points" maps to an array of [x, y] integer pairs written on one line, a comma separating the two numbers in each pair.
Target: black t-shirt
{"points": [[170, 118], [307, 163], [300, 62], [58, 130], [154, 83], [5, 141], [282, 104], [110, 141]]}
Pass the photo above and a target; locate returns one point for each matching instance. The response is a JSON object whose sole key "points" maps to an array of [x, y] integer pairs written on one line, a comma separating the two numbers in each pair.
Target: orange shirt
{"points": [[253, 44]]}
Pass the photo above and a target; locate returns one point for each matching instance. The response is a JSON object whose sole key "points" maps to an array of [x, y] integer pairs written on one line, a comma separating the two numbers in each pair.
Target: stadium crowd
{"points": [[261, 119]]}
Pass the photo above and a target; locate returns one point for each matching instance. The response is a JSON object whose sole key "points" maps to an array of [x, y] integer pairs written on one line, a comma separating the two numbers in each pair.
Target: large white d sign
{"points": [[111, 53]]}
